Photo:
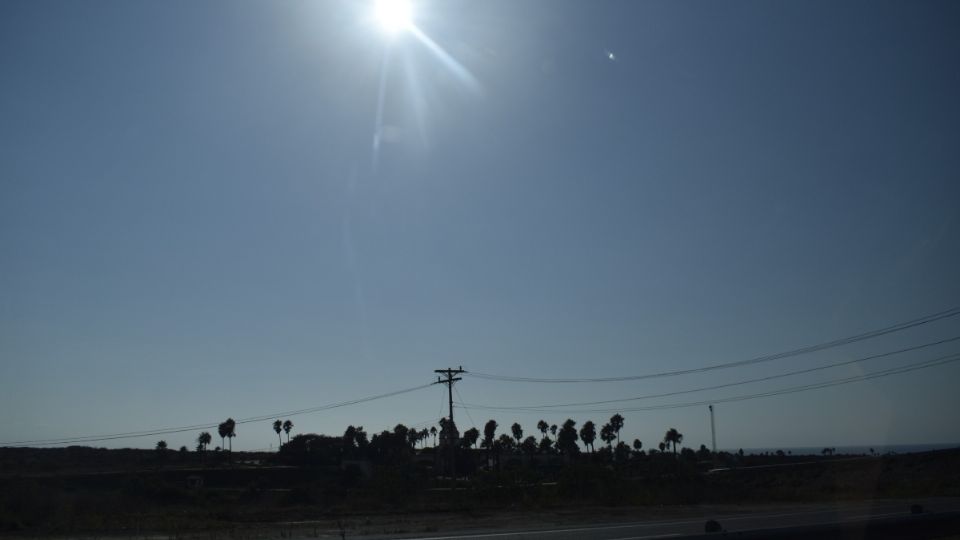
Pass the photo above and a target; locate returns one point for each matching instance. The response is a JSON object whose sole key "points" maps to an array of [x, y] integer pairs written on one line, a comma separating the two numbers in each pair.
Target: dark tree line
{"points": [[393, 444]]}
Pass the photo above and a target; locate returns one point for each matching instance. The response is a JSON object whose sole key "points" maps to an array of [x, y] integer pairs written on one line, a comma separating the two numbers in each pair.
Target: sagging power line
{"points": [[788, 390], [182, 429], [739, 383], [760, 359]]}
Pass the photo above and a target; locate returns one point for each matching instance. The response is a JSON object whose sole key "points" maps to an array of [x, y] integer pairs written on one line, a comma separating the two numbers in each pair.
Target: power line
{"points": [[789, 390], [470, 416], [181, 429], [760, 359], [738, 383], [442, 399]]}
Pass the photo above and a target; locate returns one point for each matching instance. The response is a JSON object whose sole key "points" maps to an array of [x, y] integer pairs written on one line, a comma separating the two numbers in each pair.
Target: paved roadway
{"points": [[813, 515]]}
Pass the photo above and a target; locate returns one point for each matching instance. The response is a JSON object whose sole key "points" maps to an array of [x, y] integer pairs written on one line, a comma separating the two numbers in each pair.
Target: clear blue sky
{"points": [[194, 223]]}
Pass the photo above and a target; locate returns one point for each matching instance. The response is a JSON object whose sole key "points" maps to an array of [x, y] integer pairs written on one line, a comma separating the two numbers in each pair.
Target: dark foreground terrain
{"points": [[84, 491]]}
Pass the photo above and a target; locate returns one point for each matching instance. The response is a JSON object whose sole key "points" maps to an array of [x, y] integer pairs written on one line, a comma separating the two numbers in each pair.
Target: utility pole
{"points": [[713, 431], [451, 377]]}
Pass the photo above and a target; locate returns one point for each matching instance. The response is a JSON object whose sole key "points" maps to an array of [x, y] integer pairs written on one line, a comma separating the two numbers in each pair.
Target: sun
{"points": [[393, 16]]}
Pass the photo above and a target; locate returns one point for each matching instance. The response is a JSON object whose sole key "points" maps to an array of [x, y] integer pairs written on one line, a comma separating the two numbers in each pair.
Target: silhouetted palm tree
{"points": [[489, 432], [433, 431], [673, 437], [424, 435], [567, 440], [204, 439], [553, 431], [543, 427], [637, 445], [287, 426], [278, 427], [470, 437], [607, 435], [588, 434], [616, 423], [413, 437], [222, 431], [231, 431], [517, 432]]}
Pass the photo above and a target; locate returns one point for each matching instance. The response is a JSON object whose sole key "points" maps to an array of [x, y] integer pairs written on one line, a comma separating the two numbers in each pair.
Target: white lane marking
{"points": [[838, 522], [871, 516], [639, 524], [671, 535]]}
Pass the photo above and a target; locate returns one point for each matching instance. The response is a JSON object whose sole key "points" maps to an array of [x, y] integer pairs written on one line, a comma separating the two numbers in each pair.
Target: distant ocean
{"points": [[856, 450]]}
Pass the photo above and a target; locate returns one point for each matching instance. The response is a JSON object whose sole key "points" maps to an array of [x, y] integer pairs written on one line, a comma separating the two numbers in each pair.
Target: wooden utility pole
{"points": [[713, 431], [450, 375]]}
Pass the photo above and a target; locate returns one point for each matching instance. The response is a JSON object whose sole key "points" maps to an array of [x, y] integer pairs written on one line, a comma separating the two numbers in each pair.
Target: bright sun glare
{"points": [[393, 15]]}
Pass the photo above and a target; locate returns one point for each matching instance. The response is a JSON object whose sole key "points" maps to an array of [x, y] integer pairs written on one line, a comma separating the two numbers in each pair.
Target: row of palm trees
{"points": [[285, 426], [564, 437], [228, 430]]}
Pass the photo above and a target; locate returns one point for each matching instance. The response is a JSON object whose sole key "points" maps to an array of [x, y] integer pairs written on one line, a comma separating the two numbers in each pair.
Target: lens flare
{"points": [[393, 15]]}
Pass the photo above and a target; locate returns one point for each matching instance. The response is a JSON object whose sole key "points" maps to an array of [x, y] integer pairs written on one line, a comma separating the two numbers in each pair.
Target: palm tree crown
{"points": [[278, 427], [673, 437]]}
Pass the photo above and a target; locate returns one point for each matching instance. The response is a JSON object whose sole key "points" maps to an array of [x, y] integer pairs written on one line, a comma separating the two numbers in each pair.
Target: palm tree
{"points": [[543, 427], [433, 431], [287, 426], [673, 437], [278, 427], [424, 435], [553, 431], [222, 431], [588, 434], [489, 432], [637, 445], [517, 432], [413, 437], [470, 437], [231, 426], [567, 440], [616, 422], [204, 439], [607, 435]]}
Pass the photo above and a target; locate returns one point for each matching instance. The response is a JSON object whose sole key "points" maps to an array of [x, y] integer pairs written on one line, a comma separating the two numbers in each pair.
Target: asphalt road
{"points": [[802, 522]]}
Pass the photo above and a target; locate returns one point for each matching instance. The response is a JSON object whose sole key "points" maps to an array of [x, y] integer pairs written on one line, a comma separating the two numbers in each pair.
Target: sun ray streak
{"points": [[416, 95], [381, 97], [450, 62]]}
